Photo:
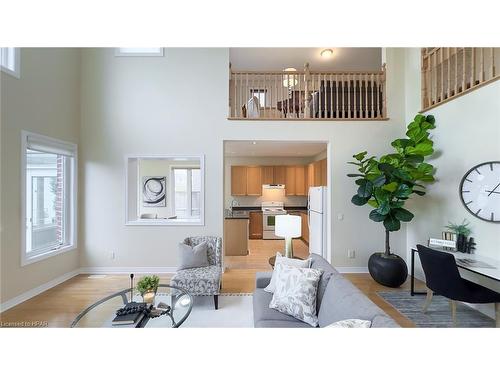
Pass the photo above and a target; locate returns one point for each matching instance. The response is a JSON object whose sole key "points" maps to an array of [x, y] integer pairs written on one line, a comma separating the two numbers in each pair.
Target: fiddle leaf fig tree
{"points": [[388, 182]]}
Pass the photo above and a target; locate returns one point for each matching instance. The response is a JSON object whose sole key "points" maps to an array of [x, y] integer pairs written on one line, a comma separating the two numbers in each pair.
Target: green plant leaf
{"points": [[414, 158], [354, 163], [392, 224], [399, 173], [418, 192], [360, 156], [402, 214], [403, 191], [430, 119], [390, 187], [365, 190], [385, 167], [379, 181], [355, 175], [384, 208], [373, 203], [360, 181], [397, 204], [359, 201], [381, 194], [419, 118], [375, 216], [425, 168]]}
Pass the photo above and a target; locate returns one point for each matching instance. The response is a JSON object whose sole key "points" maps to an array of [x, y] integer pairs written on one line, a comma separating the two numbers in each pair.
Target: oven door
{"points": [[269, 221]]}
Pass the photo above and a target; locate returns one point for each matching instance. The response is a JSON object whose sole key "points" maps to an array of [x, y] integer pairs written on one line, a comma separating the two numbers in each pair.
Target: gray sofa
{"points": [[338, 299]]}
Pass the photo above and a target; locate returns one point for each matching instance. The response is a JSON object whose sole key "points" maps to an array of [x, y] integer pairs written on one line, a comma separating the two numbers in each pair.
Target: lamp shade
{"points": [[288, 226]]}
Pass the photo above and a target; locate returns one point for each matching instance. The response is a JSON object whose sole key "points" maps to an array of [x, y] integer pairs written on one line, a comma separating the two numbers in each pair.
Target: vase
{"points": [[461, 242], [149, 296], [388, 270]]}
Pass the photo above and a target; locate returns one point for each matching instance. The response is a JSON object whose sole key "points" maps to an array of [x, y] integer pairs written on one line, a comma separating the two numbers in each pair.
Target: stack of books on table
{"points": [[134, 313]]}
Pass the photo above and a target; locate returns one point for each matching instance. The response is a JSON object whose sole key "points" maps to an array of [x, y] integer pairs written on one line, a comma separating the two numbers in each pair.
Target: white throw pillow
{"points": [[306, 263], [295, 293], [351, 323]]}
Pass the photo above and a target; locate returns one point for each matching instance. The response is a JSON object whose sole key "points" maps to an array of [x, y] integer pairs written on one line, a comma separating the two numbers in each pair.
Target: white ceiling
{"points": [[343, 59], [273, 148]]}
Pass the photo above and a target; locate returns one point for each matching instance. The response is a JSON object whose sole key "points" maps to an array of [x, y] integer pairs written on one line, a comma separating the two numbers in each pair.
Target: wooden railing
{"points": [[294, 95], [449, 72]]}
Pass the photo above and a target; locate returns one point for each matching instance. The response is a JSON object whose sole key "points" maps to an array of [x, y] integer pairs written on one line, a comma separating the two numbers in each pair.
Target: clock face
{"points": [[480, 191]]}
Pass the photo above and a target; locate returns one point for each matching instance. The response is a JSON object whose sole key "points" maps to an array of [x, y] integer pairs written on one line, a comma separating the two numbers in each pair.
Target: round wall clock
{"points": [[480, 191]]}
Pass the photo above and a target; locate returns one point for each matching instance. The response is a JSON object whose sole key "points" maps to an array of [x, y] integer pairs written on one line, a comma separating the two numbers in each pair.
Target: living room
{"points": [[113, 165]]}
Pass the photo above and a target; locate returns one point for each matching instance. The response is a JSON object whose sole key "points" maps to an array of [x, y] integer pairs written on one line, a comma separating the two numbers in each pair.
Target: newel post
{"points": [[307, 79]]}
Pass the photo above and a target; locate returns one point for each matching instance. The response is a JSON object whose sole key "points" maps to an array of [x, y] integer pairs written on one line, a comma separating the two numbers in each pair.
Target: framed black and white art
{"points": [[154, 191]]}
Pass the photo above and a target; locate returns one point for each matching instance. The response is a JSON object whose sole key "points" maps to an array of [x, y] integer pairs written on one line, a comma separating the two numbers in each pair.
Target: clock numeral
{"points": [[465, 191], [468, 203], [477, 170], [478, 211], [491, 166], [468, 180], [492, 216]]}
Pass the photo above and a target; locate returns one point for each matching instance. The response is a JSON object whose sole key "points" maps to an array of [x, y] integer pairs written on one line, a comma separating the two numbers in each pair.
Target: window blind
{"points": [[49, 145]]}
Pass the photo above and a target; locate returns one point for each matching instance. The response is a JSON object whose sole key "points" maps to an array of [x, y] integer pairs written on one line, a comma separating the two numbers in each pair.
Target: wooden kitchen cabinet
{"points": [[290, 180], [323, 172], [238, 180], [236, 237], [267, 175], [300, 180], [256, 225], [305, 226], [254, 181], [279, 175]]}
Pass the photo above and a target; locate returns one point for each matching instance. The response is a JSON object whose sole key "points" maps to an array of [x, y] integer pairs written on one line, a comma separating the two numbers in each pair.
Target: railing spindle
{"points": [[456, 71], [464, 71], [472, 67], [372, 89], [481, 62], [493, 73]]}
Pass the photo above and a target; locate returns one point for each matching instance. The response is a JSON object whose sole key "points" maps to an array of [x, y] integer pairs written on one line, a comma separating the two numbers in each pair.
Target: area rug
{"points": [[438, 314], [235, 311]]}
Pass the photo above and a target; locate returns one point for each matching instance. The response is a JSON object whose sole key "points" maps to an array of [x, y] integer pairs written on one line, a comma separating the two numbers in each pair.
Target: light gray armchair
{"points": [[203, 281]]}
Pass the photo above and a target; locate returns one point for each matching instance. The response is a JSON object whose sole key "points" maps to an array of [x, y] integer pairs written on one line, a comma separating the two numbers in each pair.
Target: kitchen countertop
{"points": [[242, 212], [239, 214], [258, 208]]}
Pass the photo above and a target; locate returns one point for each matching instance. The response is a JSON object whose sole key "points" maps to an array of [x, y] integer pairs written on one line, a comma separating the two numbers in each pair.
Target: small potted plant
{"points": [[147, 287], [462, 231]]}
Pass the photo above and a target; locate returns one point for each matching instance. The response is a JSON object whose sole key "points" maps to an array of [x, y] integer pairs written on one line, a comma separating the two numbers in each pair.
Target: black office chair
{"points": [[442, 277]]}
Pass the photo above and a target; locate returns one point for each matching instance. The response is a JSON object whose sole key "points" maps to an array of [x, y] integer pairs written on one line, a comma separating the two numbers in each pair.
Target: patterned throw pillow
{"points": [[350, 323], [280, 259], [295, 293]]}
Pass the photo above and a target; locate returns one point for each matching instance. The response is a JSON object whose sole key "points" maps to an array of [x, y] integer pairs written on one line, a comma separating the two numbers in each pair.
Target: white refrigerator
{"points": [[317, 209]]}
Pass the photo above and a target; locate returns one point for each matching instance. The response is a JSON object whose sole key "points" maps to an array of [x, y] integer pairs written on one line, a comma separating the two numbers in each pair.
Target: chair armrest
{"points": [[262, 279]]}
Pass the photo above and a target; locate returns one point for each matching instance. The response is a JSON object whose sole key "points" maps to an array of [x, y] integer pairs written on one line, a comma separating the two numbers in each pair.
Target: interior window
{"points": [[10, 61]]}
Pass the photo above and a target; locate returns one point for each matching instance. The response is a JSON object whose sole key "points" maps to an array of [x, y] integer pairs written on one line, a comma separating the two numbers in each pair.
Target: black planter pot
{"points": [[389, 270]]}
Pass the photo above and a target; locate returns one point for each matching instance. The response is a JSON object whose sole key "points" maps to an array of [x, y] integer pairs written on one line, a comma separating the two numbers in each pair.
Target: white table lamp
{"points": [[289, 227]]}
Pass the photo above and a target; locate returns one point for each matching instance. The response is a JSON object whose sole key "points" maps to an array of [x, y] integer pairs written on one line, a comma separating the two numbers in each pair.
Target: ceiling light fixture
{"points": [[326, 53], [254, 143]]}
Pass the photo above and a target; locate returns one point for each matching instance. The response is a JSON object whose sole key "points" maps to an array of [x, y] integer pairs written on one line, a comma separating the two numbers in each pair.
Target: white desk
{"points": [[492, 271]]}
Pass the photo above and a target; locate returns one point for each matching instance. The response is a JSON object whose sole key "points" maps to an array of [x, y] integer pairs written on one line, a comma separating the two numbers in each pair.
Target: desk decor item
{"points": [[147, 287], [386, 183], [462, 232]]}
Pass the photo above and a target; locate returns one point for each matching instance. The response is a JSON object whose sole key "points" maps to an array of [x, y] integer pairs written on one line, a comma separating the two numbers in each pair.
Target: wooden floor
{"points": [[58, 306], [260, 251]]}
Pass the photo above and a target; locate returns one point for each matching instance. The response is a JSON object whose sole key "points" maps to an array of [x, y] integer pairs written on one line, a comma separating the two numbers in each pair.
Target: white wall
{"points": [[467, 133], [46, 100], [178, 105], [267, 195]]}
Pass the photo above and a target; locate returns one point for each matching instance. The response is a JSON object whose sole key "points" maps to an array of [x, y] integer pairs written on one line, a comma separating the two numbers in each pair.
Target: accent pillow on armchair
{"points": [[193, 256]]}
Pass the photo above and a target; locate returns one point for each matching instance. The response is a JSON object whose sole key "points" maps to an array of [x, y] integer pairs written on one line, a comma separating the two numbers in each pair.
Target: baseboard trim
{"points": [[352, 269], [127, 270], [38, 290]]}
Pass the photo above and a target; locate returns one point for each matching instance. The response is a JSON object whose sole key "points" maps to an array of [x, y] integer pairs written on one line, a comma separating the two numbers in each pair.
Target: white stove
{"points": [[269, 212]]}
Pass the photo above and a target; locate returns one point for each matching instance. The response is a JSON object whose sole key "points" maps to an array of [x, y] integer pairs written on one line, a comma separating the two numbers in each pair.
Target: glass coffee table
{"points": [[101, 313]]}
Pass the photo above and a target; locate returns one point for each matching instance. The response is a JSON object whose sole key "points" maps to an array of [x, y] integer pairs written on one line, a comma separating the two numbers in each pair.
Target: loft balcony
{"points": [[307, 95]]}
